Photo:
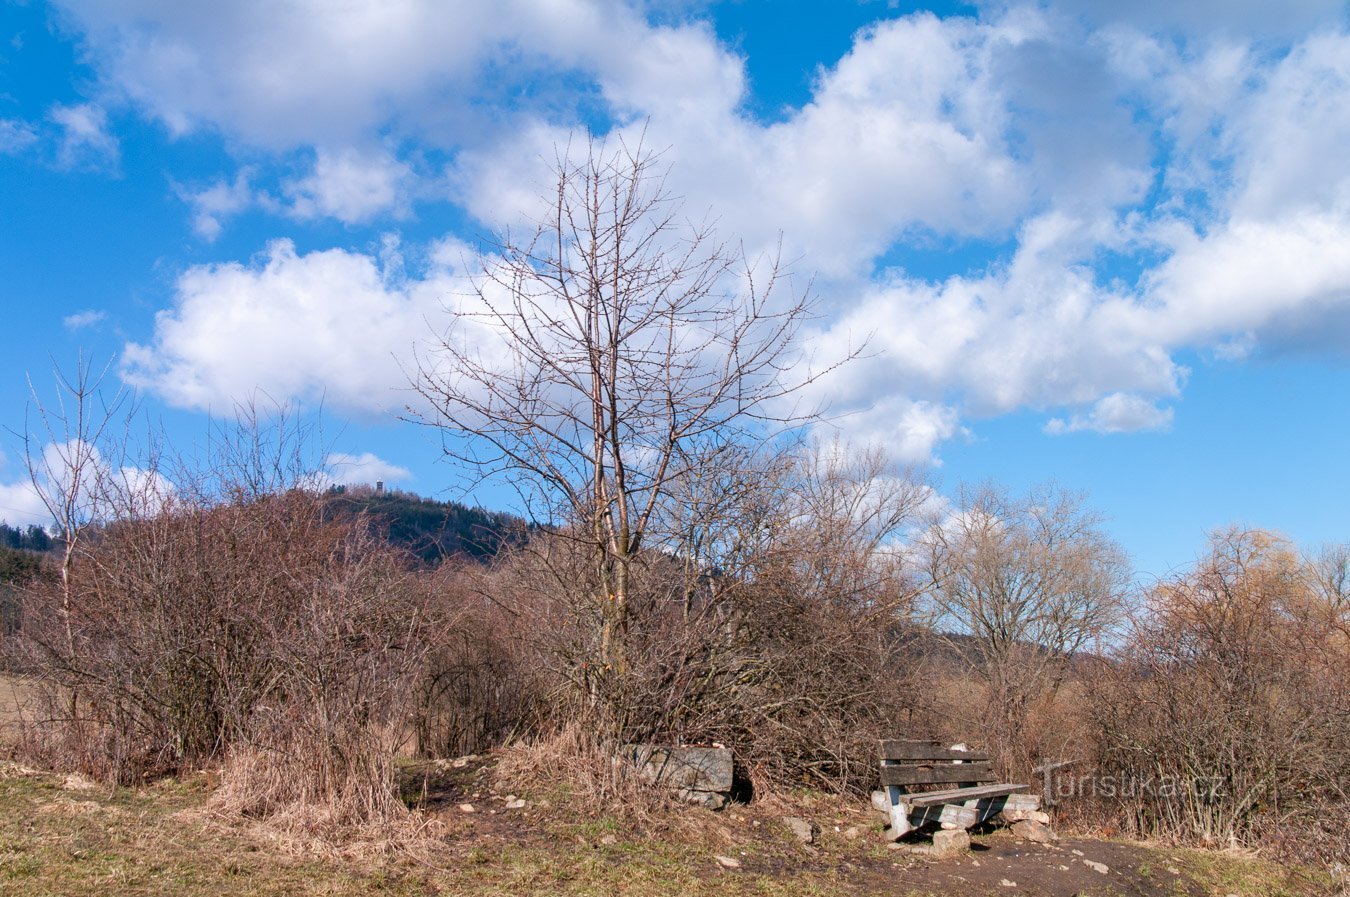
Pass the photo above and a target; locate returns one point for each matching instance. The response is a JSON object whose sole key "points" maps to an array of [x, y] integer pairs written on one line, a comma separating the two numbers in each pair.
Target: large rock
{"points": [[699, 774]]}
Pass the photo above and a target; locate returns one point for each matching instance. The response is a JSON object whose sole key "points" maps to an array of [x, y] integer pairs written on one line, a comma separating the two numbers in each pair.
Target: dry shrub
{"points": [[1021, 586], [479, 688], [260, 632], [1226, 719]]}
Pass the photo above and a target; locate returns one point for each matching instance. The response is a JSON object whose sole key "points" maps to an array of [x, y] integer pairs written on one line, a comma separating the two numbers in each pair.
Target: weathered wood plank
{"points": [[895, 749], [962, 795], [937, 773]]}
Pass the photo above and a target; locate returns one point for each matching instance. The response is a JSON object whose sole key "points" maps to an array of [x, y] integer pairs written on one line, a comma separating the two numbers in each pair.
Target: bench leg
{"points": [[899, 811]]}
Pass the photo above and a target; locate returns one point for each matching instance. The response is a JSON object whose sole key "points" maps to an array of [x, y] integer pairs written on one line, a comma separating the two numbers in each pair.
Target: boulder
{"points": [[690, 768]]}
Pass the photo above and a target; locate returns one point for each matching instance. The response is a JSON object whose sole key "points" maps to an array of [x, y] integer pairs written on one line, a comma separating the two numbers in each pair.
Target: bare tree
{"points": [[1020, 586], [72, 456], [604, 360]]}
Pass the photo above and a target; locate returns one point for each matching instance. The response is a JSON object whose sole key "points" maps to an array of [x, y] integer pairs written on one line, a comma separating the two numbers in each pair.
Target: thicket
{"points": [[1224, 717], [260, 635]]}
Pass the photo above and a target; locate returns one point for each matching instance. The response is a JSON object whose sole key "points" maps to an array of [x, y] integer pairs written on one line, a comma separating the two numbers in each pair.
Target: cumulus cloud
{"points": [[1114, 413], [365, 468], [21, 505], [1116, 186], [351, 186], [326, 326], [75, 474]]}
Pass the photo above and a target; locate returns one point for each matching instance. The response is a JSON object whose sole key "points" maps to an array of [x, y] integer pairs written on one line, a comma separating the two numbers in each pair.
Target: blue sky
{"points": [[1105, 244]]}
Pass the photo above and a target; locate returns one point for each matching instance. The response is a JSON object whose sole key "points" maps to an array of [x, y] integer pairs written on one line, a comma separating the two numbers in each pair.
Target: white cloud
{"points": [[365, 468], [1136, 182], [311, 73], [20, 505], [327, 326], [1115, 413], [16, 136], [80, 320], [351, 186], [85, 140], [213, 205], [75, 473]]}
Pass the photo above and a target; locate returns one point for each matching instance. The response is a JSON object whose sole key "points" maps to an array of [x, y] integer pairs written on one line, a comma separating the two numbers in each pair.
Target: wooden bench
{"points": [[966, 792]]}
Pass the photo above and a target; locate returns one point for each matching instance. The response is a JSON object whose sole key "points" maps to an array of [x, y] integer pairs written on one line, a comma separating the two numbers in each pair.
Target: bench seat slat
{"points": [[961, 795], [893, 749], [936, 774]]}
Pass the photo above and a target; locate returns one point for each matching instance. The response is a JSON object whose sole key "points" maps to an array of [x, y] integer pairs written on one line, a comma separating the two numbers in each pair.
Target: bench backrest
{"points": [[905, 763]]}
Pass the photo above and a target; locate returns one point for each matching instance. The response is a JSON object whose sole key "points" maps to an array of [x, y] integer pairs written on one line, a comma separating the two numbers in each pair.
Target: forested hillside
{"points": [[432, 530]]}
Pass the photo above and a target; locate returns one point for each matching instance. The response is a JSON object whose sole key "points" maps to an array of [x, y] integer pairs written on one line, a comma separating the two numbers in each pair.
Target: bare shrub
{"points": [[1226, 719], [480, 687], [258, 633]]}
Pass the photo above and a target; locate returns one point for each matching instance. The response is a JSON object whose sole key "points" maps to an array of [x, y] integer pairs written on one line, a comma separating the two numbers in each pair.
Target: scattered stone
{"points": [[947, 843], [1077, 853], [801, 829], [1097, 867], [1063, 868], [1173, 870], [974, 862], [712, 800], [852, 833], [1008, 884], [466, 808], [516, 803], [1032, 830], [728, 862]]}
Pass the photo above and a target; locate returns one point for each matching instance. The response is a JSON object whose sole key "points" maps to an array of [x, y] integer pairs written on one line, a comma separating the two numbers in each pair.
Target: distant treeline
{"points": [[31, 538]]}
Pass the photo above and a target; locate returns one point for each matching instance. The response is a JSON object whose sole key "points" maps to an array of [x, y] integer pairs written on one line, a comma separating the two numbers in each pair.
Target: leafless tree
{"points": [[75, 453], [601, 362], [1019, 587]]}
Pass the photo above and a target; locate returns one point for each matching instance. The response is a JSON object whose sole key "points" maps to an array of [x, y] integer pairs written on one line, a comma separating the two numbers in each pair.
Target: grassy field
{"points": [[64, 836]]}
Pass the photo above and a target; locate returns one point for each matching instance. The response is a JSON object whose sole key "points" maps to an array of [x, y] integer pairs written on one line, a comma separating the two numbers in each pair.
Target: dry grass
{"points": [[16, 696]]}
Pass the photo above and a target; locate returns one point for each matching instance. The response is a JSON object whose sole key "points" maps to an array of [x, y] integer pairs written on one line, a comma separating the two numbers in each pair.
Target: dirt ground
{"points": [[851, 851]]}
